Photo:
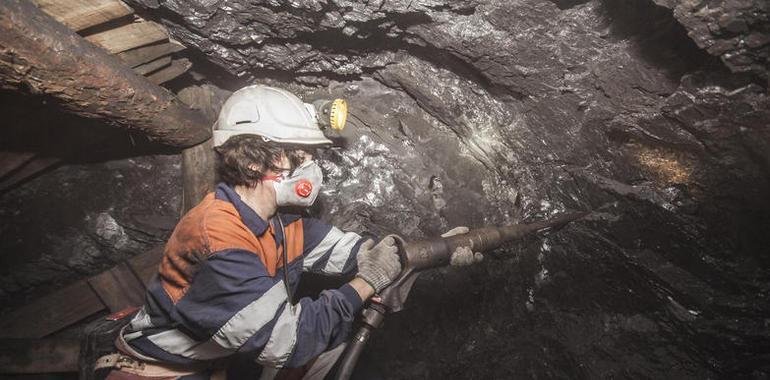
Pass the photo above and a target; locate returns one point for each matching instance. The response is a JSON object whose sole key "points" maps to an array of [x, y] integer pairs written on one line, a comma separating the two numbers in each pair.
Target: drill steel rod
{"points": [[438, 252]]}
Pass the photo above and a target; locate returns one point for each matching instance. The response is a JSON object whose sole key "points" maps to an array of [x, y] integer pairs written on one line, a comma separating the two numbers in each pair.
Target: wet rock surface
{"points": [[490, 112], [736, 31]]}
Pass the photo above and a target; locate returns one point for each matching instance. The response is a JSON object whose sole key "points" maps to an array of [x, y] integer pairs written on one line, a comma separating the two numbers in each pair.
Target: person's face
{"points": [[288, 161]]}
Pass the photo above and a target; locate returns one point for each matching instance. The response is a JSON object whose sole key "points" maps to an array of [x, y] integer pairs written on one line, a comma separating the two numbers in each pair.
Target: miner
{"points": [[223, 302]]}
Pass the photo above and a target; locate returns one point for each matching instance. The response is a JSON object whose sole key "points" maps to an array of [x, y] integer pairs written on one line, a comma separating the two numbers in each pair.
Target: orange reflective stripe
{"points": [[293, 243], [295, 240]]}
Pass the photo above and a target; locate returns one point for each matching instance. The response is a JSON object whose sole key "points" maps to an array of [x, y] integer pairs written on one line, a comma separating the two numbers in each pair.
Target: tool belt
{"points": [[128, 364], [119, 361], [99, 356]]}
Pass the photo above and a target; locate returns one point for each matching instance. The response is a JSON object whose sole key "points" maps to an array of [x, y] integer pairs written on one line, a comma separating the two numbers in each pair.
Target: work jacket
{"points": [[220, 288]]}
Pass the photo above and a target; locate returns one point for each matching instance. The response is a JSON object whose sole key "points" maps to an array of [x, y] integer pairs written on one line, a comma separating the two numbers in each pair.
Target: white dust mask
{"points": [[301, 188]]}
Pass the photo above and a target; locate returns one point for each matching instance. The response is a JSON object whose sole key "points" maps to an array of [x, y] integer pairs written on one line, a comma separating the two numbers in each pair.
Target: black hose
{"points": [[353, 352]]}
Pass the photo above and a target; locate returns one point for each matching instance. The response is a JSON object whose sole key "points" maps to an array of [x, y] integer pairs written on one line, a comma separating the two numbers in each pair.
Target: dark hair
{"points": [[241, 151]]}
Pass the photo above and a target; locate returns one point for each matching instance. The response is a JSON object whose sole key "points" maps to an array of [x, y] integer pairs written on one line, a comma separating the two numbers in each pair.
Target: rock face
{"points": [[736, 31], [80, 219], [654, 116]]}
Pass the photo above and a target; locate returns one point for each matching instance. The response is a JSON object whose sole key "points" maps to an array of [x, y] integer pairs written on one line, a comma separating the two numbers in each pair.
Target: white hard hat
{"points": [[275, 114]]}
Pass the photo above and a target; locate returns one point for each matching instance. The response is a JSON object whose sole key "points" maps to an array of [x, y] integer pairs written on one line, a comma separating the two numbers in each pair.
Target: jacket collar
{"points": [[250, 218]]}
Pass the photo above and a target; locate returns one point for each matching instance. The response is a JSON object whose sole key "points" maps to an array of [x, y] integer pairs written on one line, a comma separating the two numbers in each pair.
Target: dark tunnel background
{"points": [[654, 115]]}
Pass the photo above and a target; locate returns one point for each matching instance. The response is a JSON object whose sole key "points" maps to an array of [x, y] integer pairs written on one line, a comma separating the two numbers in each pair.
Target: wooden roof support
{"points": [[38, 53], [82, 14], [51, 312], [146, 54], [28, 169], [153, 65], [198, 177], [114, 289], [129, 36], [175, 69]]}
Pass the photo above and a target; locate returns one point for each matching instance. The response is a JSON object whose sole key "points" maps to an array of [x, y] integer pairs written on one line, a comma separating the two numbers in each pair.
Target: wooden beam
{"points": [[146, 54], [152, 66], [118, 287], [51, 312], [129, 36], [177, 68], [82, 14], [27, 170], [197, 174], [198, 177], [12, 161], [145, 265], [114, 289], [50, 355], [42, 55]]}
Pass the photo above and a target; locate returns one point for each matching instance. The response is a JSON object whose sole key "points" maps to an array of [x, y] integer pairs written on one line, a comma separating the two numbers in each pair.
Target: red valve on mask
{"points": [[303, 188]]}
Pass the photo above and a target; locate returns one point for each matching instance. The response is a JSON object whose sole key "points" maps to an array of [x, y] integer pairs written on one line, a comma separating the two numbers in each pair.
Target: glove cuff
{"points": [[377, 281], [368, 282]]}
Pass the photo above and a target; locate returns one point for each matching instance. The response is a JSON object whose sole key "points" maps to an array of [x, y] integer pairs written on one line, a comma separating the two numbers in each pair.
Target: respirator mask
{"points": [[299, 188]]}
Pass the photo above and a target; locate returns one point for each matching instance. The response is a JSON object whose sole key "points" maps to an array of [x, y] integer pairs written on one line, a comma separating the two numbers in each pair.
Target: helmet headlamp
{"points": [[331, 114]]}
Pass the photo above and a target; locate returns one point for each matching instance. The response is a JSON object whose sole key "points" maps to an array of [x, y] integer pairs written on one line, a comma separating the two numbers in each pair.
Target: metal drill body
{"points": [[434, 253]]}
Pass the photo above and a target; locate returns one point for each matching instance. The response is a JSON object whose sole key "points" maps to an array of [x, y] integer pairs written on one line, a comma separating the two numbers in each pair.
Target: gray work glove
{"points": [[462, 256], [379, 264]]}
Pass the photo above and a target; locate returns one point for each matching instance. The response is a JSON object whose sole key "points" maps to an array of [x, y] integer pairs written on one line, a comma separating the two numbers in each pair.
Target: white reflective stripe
{"points": [[208, 350], [131, 336], [235, 332], [178, 343], [138, 324], [282, 339], [141, 321], [331, 238], [173, 341], [232, 335], [341, 253]]}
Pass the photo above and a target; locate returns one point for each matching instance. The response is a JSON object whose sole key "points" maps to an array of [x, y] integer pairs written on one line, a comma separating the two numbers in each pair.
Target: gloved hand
{"points": [[379, 264], [462, 256]]}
